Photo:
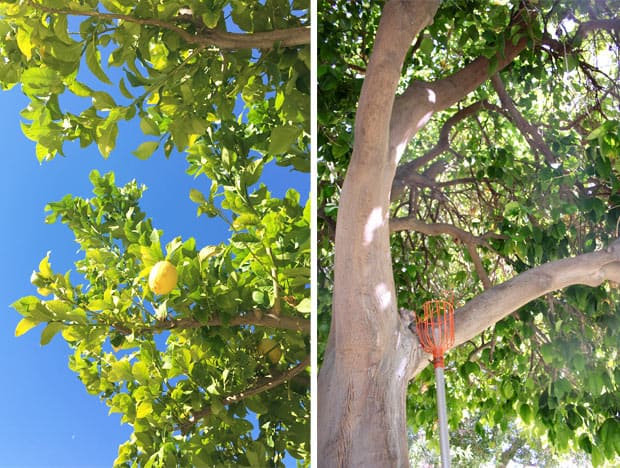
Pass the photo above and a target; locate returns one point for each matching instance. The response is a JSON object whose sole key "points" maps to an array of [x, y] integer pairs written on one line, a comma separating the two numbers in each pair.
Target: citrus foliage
{"points": [[493, 187], [180, 367], [226, 83], [179, 90]]}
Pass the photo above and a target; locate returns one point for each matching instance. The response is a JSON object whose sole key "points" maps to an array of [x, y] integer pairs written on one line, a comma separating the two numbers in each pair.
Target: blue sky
{"points": [[47, 417]]}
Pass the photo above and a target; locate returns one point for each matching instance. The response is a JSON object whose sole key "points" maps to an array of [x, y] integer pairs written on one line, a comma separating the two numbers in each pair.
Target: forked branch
{"points": [[406, 174]]}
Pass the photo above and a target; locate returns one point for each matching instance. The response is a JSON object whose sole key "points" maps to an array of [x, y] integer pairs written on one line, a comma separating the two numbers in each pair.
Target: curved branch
{"points": [[421, 100], [436, 229], [453, 88], [209, 37], [590, 269], [470, 241], [263, 385]]}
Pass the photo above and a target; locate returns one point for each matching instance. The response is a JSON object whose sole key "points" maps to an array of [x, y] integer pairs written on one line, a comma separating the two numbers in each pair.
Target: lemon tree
{"points": [[469, 148], [168, 333]]}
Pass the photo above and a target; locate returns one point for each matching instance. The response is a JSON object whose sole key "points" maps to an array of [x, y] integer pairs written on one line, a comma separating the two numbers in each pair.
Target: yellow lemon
{"points": [[163, 277], [271, 349]]}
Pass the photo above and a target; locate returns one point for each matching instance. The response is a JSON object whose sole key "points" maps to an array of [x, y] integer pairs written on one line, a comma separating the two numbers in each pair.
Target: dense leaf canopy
{"points": [[227, 84], [522, 171]]}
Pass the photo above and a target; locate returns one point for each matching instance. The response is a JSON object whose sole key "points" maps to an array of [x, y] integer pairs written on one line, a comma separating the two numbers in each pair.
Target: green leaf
{"points": [[252, 172], [256, 405], [23, 42], [209, 251], [598, 132], [96, 305], [24, 325], [123, 89], [106, 139], [305, 306], [31, 307], [244, 220], [427, 46], [196, 196], [103, 101], [548, 352], [149, 127], [507, 390], [121, 403], [258, 297], [217, 408], [80, 89], [279, 100], [93, 61], [180, 135], [41, 82], [282, 138], [50, 331], [45, 268], [253, 458], [146, 149], [140, 372], [143, 409], [119, 371], [211, 17], [526, 413], [72, 333]]}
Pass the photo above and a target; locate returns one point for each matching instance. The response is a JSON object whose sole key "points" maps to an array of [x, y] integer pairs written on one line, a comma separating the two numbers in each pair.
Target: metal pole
{"points": [[444, 442]]}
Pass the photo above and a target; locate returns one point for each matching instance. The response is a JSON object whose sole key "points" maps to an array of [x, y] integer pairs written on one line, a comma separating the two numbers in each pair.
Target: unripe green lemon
{"points": [[271, 348], [163, 277]]}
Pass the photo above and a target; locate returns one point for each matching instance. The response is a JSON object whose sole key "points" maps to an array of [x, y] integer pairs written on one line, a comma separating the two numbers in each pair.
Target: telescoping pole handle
{"points": [[444, 442]]}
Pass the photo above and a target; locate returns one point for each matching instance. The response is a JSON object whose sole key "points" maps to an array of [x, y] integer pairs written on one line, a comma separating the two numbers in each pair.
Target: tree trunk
{"points": [[362, 414], [369, 357]]}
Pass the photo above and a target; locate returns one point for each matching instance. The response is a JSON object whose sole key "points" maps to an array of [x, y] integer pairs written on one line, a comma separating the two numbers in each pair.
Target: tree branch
{"points": [[594, 25], [477, 261], [362, 231], [283, 322], [209, 37], [435, 229], [263, 385], [527, 130], [421, 100], [406, 173], [591, 269]]}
